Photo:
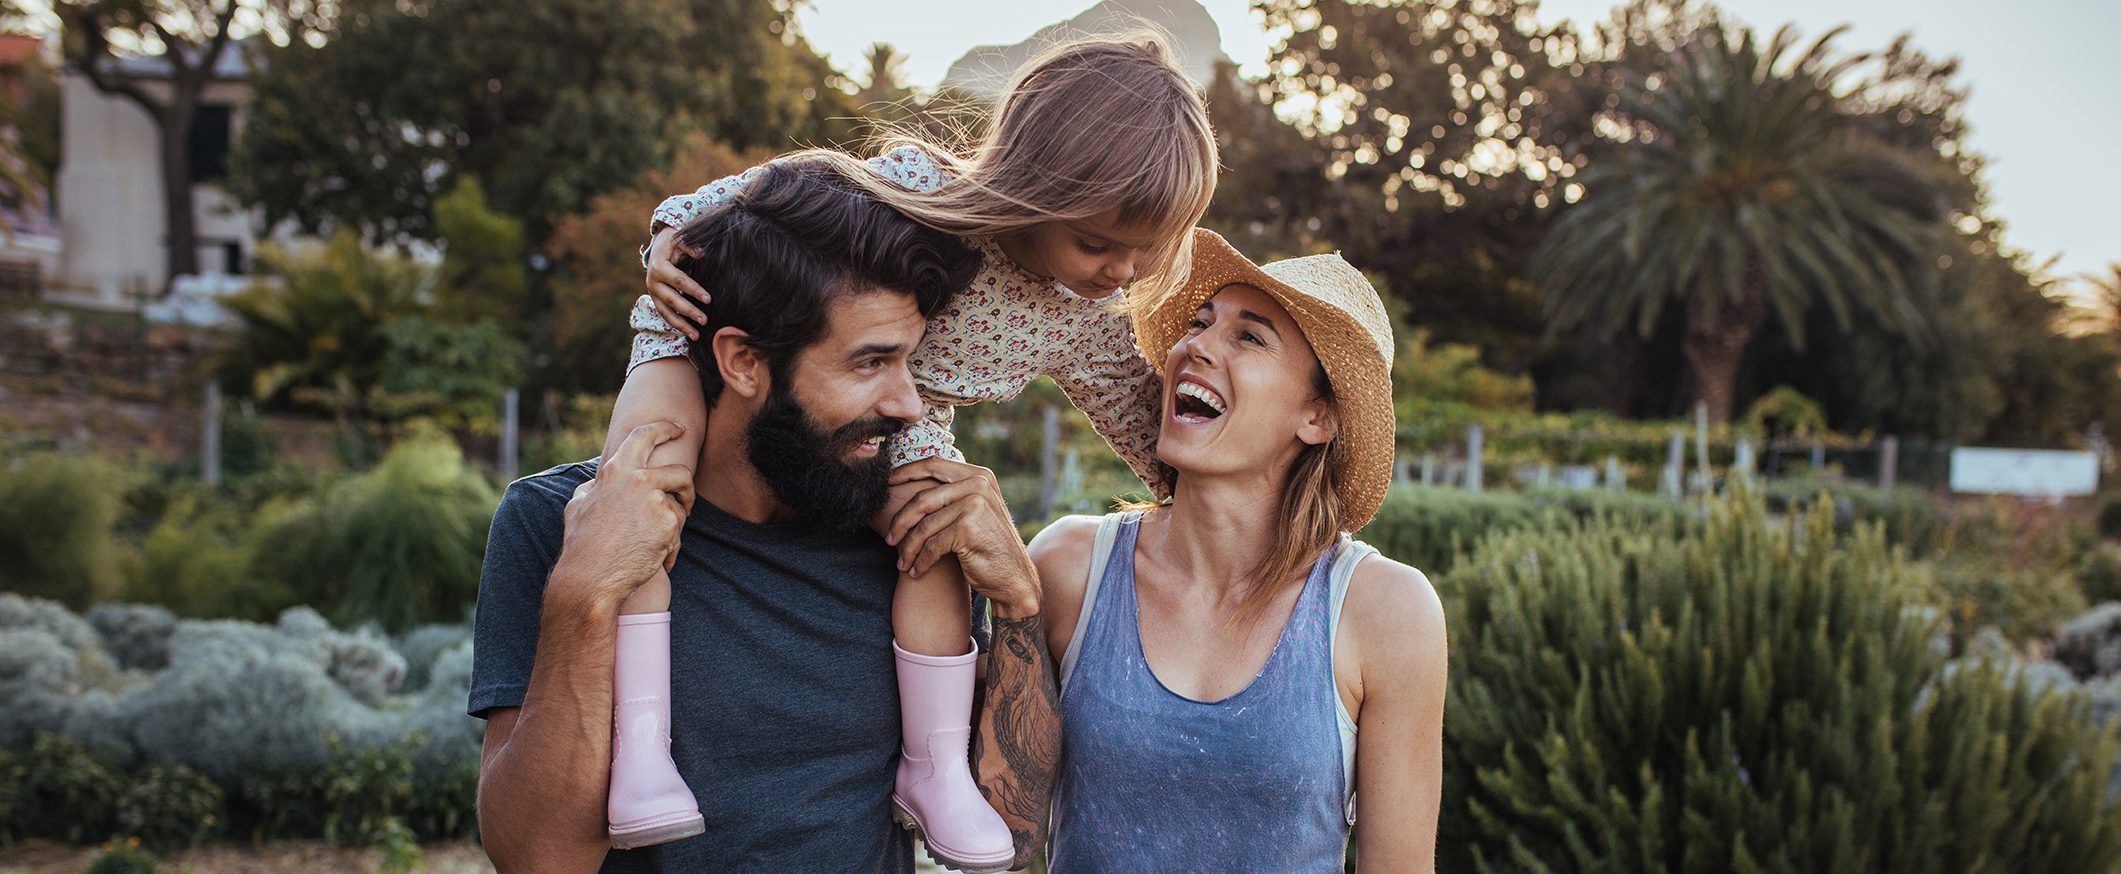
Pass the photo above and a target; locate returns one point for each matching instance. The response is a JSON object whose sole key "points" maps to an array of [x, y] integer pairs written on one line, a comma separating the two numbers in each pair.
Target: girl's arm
{"points": [[1393, 628], [662, 390], [1115, 386], [669, 288]]}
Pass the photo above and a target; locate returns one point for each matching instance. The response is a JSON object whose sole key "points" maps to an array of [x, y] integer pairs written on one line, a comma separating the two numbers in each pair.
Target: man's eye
{"points": [[872, 364]]}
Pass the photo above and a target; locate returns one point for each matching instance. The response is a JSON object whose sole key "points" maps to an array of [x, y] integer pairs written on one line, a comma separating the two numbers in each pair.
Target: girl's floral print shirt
{"points": [[1010, 327]]}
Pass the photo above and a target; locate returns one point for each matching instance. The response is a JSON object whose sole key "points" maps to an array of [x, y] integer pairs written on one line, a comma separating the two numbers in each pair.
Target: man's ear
{"points": [[743, 368], [1320, 423]]}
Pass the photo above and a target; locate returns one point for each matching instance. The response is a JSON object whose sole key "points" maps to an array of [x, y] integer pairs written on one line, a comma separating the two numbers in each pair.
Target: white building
{"points": [[112, 239]]}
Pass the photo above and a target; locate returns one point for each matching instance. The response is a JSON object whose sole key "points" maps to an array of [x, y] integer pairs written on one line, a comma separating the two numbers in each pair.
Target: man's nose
{"points": [[901, 400]]}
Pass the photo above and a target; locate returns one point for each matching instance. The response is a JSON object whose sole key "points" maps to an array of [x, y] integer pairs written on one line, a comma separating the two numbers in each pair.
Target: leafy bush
{"points": [[125, 858], [1911, 517], [170, 806], [2110, 519], [56, 513], [307, 731], [2023, 603], [195, 561], [2099, 576], [14, 798], [426, 645], [1427, 526], [399, 545], [70, 794], [1744, 694], [137, 635]]}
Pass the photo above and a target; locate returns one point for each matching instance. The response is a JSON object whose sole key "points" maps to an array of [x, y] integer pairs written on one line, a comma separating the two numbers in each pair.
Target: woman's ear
{"points": [[743, 368], [1320, 423]]}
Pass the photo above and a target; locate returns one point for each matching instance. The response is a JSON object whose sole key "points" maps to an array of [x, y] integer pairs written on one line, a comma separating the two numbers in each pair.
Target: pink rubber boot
{"points": [[649, 803], [936, 792]]}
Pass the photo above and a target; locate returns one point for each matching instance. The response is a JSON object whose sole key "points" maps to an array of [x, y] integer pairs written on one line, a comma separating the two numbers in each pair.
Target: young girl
{"points": [[1098, 165]]}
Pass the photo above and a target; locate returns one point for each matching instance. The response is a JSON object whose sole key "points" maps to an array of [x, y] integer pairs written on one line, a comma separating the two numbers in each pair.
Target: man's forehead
{"points": [[871, 316]]}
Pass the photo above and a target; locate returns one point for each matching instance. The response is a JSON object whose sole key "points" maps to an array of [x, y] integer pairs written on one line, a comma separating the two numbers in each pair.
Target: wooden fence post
{"points": [[1474, 440], [1888, 462], [210, 436], [509, 407]]}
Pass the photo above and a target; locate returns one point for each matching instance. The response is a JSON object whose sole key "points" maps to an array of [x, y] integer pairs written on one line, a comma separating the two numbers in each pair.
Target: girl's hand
{"points": [[669, 287]]}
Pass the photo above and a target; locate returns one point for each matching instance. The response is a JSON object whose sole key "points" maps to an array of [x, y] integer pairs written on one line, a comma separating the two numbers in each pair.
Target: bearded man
{"points": [[782, 705]]}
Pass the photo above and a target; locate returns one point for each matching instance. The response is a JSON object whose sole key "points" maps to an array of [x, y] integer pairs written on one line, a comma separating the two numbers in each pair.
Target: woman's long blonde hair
{"points": [[1087, 127]]}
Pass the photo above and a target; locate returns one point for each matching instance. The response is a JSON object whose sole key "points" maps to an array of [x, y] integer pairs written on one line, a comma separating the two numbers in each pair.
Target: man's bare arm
{"points": [[545, 766], [1017, 750]]}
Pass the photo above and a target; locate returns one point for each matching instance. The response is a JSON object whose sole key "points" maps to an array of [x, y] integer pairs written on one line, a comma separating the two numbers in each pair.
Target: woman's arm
{"points": [[1061, 552], [1393, 627]]}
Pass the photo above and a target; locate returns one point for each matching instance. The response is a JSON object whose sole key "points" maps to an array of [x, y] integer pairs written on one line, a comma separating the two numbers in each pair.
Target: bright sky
{"points": [[2043, 76]]}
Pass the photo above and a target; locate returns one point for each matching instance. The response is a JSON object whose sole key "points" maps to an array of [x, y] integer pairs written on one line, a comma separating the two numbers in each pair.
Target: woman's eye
{"points": [[1195, 325], [1252, 338]]}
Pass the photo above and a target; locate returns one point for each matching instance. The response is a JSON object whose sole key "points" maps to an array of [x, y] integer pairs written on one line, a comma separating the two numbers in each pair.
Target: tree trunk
{"points": [[1715, 343], [180, 232]]}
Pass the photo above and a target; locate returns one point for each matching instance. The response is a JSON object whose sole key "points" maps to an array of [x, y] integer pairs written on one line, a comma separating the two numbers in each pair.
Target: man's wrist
{"points": [[579, 592]]}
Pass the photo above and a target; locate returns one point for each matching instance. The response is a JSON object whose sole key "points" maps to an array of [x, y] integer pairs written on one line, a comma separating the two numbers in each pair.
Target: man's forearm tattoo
{"points": [[1020, 727]]}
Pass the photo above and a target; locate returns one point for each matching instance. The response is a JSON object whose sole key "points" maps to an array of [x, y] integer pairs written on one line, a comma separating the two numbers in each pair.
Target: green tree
{"points": [[190, 38], [356, 332], [1440, 135], [483, 273], [311, 330], [1745, 190], [29, 111], [546, 103], [597, 274]]}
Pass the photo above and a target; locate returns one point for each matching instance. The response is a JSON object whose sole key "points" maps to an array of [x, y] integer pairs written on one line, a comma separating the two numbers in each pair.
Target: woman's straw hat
{"points": [[1345, 322]]}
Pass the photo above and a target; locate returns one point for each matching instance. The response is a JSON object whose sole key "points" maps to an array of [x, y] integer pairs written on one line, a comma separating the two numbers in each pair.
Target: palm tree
{"points": [[887, 74], [1743, 186]]}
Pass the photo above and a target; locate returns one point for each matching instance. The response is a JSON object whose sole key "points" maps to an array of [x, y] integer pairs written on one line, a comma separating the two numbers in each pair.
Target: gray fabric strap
{"points": [[1351, 554], [1100, 555]]}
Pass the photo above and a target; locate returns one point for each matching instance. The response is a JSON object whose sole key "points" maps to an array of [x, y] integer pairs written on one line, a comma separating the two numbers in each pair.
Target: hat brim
{"points": [[1357, 369]]}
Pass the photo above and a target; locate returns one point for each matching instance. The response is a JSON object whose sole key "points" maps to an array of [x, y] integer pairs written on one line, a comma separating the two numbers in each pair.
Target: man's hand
{"points": [[961, 512], [669, 287], [624, 525]]}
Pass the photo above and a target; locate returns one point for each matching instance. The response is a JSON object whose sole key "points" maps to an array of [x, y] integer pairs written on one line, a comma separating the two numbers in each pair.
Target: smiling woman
{"points": [[1211, 693]]}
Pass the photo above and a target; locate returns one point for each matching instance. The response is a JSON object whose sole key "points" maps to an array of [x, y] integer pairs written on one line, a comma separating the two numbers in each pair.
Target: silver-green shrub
{"points": [[423, 645], [137, 635]]}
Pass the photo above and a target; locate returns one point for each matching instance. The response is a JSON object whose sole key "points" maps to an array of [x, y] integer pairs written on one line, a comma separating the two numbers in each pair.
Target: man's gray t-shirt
{"points": [[784, 711]]}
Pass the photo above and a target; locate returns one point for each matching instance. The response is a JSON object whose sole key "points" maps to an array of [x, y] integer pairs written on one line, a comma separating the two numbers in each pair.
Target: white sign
{"points": [[2039, 473]]}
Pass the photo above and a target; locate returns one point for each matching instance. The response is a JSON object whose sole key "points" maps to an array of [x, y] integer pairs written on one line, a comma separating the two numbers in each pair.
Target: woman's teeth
{"points": [[1200, 393]]}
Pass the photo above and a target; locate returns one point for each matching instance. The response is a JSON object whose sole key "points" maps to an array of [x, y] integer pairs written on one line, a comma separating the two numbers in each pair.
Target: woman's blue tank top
{"points": [[1154, 781]]}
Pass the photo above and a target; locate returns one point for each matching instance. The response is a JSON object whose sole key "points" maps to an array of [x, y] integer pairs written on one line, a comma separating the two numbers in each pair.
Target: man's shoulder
{"points": [[558, 481], [546, 492]]}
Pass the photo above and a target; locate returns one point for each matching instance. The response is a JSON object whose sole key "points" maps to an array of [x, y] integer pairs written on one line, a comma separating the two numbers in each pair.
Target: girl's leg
{"points": [[649, 802], [931, 616]]}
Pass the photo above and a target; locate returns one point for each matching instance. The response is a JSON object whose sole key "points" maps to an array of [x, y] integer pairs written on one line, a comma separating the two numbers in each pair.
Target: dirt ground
{"points": [[279, 857]]}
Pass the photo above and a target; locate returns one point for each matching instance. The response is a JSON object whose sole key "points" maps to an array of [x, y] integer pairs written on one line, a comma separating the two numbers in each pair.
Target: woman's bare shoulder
{"points": [[1062, 553], [1395, 615]]}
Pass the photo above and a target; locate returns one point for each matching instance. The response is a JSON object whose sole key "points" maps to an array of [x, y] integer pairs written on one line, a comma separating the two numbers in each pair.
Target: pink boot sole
{"points": [[657, 830], [940, 856]]}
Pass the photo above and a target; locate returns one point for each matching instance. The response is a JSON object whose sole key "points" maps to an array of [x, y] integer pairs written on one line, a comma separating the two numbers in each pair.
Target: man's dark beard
{"points": [[807, 468]]}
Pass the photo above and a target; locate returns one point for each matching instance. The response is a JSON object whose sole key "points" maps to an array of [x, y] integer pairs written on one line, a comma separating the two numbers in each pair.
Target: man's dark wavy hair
{"points": [[798, 237]]}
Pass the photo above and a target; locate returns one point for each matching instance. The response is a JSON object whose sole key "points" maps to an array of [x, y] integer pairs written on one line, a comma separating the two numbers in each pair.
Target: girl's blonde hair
{"points": [[1089, 126]]}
